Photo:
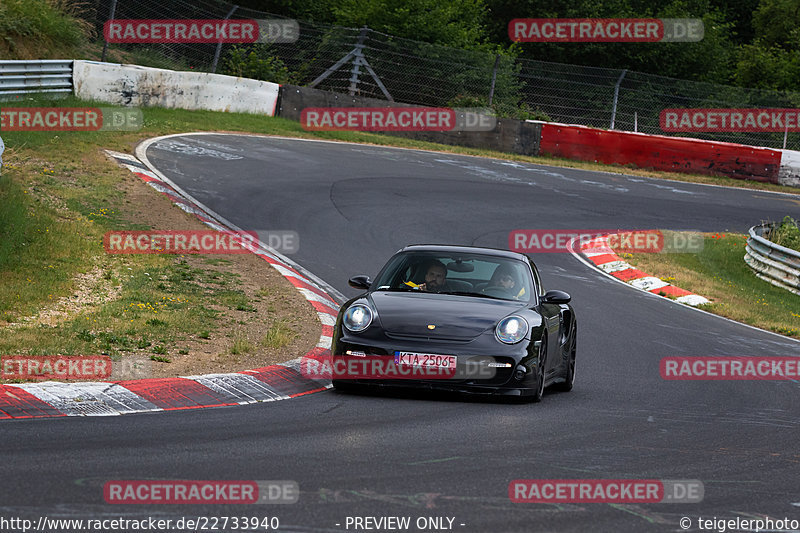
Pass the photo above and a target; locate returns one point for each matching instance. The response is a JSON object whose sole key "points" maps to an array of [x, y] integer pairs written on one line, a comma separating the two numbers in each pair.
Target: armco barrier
{"points": [[35, 76], [132, 85], [771, 262], [660, 152], [512, 136]]}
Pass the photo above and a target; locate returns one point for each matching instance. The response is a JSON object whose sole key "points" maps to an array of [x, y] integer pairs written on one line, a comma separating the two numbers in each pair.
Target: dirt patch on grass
{"points": [[92, 288], [270, 298], [238, 342]]}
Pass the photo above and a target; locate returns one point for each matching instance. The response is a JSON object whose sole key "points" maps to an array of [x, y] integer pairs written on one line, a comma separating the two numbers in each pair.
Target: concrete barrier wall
{"points": [[512, 136], [660, 152], [132, 85]]}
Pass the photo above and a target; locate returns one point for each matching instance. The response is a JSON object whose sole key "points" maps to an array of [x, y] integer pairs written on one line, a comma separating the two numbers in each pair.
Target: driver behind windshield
{"points": [[435, 278]]}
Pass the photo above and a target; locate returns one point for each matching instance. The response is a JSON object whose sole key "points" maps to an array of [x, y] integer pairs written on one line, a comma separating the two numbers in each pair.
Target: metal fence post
{"points": [[494, 77], [219, 44], [357, 55], [358, 50], [110, 17], [785, 135], [616, 95]]}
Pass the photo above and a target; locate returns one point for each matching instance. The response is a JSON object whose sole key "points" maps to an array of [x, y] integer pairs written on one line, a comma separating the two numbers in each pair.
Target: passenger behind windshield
{"points": [[504, 283]]}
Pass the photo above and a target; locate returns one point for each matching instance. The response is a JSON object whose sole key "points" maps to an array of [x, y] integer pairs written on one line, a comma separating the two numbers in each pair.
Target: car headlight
{"points": [[511, 329], [357, 318]]}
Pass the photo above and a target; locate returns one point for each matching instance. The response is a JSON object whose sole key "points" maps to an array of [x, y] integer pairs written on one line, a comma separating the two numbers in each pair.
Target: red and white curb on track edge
{"points": [[600, 254], [270, 383], [600, 249]]}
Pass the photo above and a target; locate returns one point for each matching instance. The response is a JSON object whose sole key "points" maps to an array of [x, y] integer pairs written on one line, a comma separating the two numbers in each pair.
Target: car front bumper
{"points": [[484, 365]]}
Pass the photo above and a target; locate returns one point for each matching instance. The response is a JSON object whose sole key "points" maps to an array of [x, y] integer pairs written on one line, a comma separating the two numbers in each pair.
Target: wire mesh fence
{"points": [[374, 64]]}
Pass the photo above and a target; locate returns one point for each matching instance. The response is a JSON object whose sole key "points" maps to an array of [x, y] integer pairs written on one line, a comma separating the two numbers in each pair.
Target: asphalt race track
{"points": [[379, 456]]}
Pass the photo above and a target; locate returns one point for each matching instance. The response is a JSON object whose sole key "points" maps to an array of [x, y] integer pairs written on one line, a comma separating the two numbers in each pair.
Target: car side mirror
{"points": [[360, 282], [556, 297]]}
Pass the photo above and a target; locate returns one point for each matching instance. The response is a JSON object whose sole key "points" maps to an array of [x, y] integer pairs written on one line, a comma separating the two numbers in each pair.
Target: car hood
{"points": [[409, 314]]}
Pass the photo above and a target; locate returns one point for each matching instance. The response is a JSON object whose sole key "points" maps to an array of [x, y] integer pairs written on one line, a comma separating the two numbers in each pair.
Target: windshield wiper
{"points": [[476, 294]]}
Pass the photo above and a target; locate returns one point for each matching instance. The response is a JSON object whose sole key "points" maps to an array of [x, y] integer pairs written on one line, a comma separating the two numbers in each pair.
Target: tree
{"points": [[771, 61], [457, 23], [708, 60]]}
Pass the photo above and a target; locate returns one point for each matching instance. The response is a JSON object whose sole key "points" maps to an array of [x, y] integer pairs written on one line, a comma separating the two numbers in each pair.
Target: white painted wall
{"points": [[132, 85], [789, 173]]}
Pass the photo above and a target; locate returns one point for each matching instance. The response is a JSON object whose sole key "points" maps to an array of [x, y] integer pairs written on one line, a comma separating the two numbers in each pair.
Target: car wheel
{"points": [[537, 396], [569, 375]]}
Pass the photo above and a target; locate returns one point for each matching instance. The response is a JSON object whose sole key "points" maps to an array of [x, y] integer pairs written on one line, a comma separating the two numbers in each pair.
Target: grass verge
{"points": [[720, 274], [42, 29], [62, 294]]}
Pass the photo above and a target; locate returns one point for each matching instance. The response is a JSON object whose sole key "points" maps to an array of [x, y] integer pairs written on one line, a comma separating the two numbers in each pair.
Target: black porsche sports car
{"points": [[465, 319]]}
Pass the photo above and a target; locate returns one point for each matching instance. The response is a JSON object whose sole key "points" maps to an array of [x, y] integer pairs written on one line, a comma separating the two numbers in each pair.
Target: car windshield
{"points": [[462, 274]]}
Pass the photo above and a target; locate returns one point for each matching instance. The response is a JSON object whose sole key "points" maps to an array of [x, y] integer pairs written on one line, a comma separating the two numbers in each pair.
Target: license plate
{"points": [[425, 359]]}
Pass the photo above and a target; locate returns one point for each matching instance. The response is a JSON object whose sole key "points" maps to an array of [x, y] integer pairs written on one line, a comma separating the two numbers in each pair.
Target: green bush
{"points": [[522, 112], [787, 234], [502, 109], [255, 62], [466, 100]]}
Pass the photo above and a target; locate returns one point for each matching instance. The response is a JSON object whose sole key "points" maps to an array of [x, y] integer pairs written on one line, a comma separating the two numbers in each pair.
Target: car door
{"points": [[551, 316]]}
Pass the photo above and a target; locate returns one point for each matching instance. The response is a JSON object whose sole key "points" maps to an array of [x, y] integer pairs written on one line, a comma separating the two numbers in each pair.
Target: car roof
{"points": [[449, 248]]}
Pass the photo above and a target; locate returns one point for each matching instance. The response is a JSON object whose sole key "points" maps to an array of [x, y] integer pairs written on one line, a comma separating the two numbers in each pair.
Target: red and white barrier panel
{"points": [[660, 152]]}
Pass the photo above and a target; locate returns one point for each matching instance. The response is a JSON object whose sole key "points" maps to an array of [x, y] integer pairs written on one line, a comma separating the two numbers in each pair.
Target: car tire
{"points": [[569, 375], [540, 372]]}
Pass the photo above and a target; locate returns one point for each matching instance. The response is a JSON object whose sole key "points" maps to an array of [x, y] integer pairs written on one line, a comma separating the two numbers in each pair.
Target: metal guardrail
{"points": [[771, 262], [35, 76]]}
